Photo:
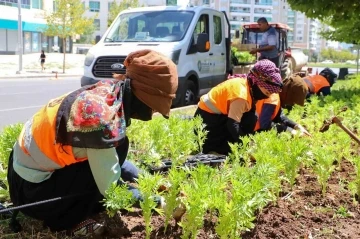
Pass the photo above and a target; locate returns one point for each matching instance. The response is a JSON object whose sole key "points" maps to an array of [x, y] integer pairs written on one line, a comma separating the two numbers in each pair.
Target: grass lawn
{"points": [[335, 65]]}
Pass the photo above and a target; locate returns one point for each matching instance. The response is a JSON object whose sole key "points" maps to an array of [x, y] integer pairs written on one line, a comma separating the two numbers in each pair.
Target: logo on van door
{"points": [[117, 66], [204, 67]]}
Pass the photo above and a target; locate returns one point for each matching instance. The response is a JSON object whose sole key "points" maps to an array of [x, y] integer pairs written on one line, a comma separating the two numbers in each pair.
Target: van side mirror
{"points": [[203, 43]]}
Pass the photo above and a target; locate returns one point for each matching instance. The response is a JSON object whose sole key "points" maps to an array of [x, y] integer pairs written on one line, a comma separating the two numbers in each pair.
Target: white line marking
{"points": [[21, 108]]}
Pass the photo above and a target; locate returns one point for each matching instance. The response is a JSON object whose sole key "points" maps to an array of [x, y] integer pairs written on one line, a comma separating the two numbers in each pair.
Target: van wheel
{"points": [[190, 97]]}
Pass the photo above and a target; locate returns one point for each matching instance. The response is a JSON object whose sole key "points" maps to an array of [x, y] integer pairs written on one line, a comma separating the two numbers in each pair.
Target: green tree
{"points": [[67, 20], [115, 8], [342, 16]]}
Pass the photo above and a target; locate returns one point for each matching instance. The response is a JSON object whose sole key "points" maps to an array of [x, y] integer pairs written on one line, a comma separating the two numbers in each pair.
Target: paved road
{"points": [[20, 99]]}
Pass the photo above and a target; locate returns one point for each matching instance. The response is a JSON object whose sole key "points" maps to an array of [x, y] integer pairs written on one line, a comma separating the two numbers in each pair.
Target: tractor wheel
{"points": [[286, 69]]}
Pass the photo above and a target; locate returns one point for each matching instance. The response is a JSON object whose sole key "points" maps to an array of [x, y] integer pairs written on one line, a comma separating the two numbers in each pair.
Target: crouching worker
{"points": [[75, 146], [270, 115], [228, 110], [294, 92], [320, 84]]}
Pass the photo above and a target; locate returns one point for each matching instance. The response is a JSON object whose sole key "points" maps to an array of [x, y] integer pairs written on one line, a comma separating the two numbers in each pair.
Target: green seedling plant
{"points": [[148, 185], [324, 159], [8, 137], [241, 151], [117, 198], [354, 186], [196, 201], [342, 212], [200, 132], [173, 139], [175, 178], [251, 189], [292, 156]]}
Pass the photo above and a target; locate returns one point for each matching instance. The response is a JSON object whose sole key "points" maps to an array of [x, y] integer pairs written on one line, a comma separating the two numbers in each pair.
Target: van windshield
{"points": [[158, 26]]}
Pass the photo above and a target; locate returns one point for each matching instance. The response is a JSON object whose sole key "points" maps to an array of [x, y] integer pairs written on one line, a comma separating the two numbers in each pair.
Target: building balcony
{"points": [[240, 1], [239, 10], [263, 2], [262, 11], [291, 13], [239, 15]]}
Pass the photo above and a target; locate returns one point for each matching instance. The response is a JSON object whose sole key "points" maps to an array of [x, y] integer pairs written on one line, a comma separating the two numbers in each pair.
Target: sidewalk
{"points": [[9, 65]]}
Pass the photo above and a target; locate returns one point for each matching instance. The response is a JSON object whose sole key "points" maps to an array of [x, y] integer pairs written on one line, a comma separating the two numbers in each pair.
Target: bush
{"points": [[7, 140]]}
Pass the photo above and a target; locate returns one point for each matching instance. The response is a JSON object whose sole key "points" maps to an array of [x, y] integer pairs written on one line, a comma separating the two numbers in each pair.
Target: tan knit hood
{"points": [[154, 79]]}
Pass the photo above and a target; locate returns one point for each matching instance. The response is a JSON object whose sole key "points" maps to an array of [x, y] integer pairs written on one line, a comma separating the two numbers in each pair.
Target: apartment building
{"points": [[305, 32], [244, 11], [32, 15]]}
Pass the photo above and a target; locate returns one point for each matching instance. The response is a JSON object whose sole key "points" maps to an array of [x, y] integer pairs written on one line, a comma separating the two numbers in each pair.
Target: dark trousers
{"points": [[218, 136], [74, 183], [274, 60]]}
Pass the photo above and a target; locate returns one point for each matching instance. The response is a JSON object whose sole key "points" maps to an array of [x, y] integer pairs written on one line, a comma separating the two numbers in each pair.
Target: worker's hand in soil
{"points": [[302, 131], [179, 211]]}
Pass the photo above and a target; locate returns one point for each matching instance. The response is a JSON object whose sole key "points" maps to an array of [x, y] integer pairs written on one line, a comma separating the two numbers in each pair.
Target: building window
{"points": [[94, 6], [54, 6], [37, 4], [171, 2], [217, 30], [97, 24], [202, 26], [14, 3]]}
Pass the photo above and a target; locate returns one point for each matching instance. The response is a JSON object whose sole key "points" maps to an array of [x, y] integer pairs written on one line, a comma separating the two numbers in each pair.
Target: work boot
{"points": [[87, 228]]}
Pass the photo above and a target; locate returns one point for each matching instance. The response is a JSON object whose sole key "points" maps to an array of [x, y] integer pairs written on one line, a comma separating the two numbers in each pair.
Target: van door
{"points": [[201, 60], [218, 48]]}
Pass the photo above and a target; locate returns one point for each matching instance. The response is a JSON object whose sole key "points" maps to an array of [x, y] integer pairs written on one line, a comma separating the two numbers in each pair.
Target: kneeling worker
{"points": [[228, 110]]}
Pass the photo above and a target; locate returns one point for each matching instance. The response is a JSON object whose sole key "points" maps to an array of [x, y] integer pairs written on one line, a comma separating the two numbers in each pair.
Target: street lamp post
{"points": [[20, 38]]}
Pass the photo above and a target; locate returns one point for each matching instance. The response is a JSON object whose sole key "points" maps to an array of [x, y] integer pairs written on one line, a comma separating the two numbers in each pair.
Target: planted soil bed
{"points": [[304, 213]]}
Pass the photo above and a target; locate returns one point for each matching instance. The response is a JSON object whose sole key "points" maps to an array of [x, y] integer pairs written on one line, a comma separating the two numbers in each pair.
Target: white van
{"points": [[202, 62]]}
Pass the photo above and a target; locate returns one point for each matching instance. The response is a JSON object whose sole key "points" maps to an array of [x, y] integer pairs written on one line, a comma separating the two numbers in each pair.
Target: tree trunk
{"points": [[357, 59], [64, 52]]}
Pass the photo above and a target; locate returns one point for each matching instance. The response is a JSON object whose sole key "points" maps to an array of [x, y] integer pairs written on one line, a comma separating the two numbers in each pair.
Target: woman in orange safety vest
{"points": [[320, 84], [76, 144], [228, 109], [271, 116]]}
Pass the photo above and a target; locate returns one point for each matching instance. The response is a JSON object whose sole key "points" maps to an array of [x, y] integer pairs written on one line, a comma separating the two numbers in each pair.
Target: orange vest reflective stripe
{"points": [[37, 139], [218, 99], [274, 99], [316, 82]]}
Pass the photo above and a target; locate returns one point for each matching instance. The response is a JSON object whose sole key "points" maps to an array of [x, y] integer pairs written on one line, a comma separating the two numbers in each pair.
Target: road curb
{"points": [[52, 76]]}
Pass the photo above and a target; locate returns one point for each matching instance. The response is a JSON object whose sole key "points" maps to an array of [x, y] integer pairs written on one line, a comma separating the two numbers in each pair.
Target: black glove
{"points": [[245, 127], [248, 122]]}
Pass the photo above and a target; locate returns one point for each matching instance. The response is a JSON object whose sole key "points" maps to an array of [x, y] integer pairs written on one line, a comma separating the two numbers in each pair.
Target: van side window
{"points": [[217, 30], [202, 26]]}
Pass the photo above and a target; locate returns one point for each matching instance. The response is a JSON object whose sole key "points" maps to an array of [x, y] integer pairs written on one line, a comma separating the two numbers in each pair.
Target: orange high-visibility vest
{"points": [[37, 139], [315, 83], [218, 99], [274, 99]]}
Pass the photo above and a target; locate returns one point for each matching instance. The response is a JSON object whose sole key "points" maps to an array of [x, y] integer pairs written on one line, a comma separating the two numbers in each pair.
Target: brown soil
{"points": [[304, 213]]}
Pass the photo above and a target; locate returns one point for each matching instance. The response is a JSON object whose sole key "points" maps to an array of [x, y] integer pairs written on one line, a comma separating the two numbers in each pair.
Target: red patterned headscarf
{"points": [[267, 75]]}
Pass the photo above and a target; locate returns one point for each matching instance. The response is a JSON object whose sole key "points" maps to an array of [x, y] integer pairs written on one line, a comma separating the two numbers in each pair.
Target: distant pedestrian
{"points": [[42, 60]]}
